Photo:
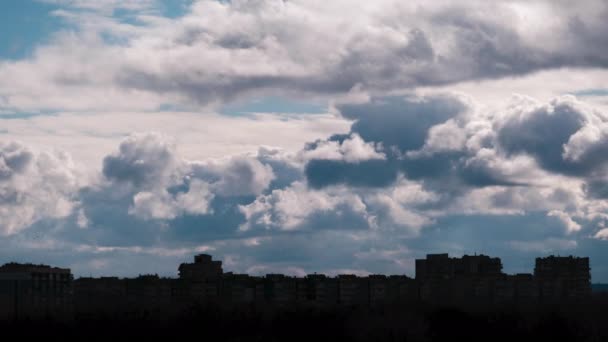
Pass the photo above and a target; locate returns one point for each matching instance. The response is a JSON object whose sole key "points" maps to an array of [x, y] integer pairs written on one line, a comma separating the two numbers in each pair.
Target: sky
{"points": [[302, 136]]}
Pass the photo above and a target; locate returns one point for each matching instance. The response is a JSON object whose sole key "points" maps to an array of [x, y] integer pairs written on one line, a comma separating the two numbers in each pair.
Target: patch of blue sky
{"points": [[592, 92], [164, 8], [275, 104], [24, 24], [175, 8], [26, 115]]}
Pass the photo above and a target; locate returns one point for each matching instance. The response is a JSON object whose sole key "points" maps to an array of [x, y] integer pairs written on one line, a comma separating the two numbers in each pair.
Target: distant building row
{"points": [[480, 279], [35, 290]]}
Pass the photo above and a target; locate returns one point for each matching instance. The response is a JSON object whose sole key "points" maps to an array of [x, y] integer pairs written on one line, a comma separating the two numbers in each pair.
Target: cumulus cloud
{"points": [[398, 208], [143, 160], [163, 205], [163, 185], [569, 223], [525, 156], [444, 137], [350, 150], [239, 176], [145, 183], [450, 142], [398, 124], [35, 185], [602, 234], [509, 200], [545, 130], [403, 206], [293, 207]]}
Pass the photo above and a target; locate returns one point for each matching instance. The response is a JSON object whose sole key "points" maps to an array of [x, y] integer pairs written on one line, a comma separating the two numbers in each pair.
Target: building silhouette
{"points": [[32, 290], [36, 291], [563, 277], [204, 267], [442, 279]]}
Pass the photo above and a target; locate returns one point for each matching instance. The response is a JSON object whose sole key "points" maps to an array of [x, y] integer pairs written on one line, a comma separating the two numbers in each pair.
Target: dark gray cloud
{"points": [[374, 173], [440, 141], [402, 126], [564, 136], [401, 121], [14, 158], [143, 160], [543, 132], [597, 188]]}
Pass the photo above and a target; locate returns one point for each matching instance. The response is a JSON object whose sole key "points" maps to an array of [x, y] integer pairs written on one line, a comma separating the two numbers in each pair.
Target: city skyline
{"points": [[30, 291], [302, 136], [216, 267], [472, 291]]}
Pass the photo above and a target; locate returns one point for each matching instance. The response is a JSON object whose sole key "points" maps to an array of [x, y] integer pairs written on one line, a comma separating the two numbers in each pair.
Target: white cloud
{"points": [[149, 165], [163, 205], [290, 208], [444, 137], [400, 215], [150, 205], [351, 150], [602, 234], [297, 206], [81, 220], [241, 176], [571, 225], [400, 204], [519, 200], [35, 185]]}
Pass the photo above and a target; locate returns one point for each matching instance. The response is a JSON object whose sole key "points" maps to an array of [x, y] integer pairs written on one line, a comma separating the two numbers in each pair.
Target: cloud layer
{"points": [[221, 51]]}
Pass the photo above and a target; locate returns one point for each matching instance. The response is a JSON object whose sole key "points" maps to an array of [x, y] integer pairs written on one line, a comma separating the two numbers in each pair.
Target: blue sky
{"points": [[24, 25], [301, 136]]}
